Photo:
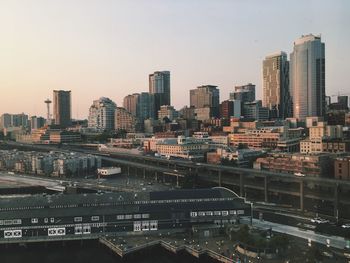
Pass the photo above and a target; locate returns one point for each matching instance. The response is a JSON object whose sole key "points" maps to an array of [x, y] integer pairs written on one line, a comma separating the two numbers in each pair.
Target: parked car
{"points": [[346, 226], [319, 220]]}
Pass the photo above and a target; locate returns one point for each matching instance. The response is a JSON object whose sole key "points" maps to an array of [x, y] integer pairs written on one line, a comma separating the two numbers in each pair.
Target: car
{"points": [[319, 220], [346, 226], [299, 174]]}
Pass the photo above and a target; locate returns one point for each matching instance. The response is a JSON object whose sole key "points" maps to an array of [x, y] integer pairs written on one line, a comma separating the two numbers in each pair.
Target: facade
{"points": [[318, 165], [271, 138], [64, 137], [244, 93], [124, 120], [159, 83], [130, 103], [145, 106], [14, 120], [276, 85], [37, 122], [102, 114], [206, 96], [226, 109], [167, 111], [307, 77], [62, 107], [255, 111], [342, 168], [60, 217], [203, 114]]}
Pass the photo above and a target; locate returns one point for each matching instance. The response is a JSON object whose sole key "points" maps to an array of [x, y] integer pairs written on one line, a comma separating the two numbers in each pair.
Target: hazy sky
{"points": [[107, 48]]}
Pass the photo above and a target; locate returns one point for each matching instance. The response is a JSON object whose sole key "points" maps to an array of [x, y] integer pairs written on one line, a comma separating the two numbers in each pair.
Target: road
{"points": [[334, 241]]}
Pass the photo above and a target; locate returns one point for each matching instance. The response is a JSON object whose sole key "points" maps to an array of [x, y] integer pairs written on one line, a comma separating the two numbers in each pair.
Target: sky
{"points": [[107, 48]]}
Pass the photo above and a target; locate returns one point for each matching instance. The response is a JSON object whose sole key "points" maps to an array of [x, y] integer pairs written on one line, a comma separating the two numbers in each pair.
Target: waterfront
{"points": [[88, 252]]}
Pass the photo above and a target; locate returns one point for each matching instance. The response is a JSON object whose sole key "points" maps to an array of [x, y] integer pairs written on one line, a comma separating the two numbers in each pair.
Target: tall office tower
{"points": [[159, 83], [276, 85], [206, 96], [226, 109], [245, 93], [102, 114], [5, 121], [343, 102], [36, 122], [130, 103], [145, 106], [307, 77], [62, 107]]}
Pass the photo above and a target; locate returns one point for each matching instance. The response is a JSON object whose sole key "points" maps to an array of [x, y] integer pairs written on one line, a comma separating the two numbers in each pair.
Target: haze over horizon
{"points": [[108, 48]]}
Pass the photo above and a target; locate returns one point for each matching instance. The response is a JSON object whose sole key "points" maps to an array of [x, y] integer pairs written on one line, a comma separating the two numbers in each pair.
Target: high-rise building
{"points": [[244, 93], [276, 85], [37, 122], [145, 106], [130, 103], [343, 101], [5, 121], [159, 83], [102, 114], [124, 120], [206, 96], [307, 77], [226, 109], [62, 107], [255, 111]]}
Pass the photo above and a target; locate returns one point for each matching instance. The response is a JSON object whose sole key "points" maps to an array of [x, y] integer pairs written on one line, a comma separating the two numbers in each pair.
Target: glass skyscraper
{"points": [[307, 77]]}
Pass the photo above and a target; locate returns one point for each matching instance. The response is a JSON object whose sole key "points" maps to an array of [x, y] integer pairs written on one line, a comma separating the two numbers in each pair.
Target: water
{"points": [[88, 252]]}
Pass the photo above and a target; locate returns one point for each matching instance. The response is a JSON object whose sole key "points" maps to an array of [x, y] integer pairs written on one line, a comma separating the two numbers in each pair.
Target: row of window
{"points": [[216, 213], [145, 225], [135, 216], [11, 222]]}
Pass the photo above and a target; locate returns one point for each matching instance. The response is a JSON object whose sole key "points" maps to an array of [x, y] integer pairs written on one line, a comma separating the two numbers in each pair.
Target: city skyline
{"points": [[85, 56]]}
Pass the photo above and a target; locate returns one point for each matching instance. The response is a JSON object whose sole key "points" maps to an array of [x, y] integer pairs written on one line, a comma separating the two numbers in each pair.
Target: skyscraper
{"points": [[145, 106], [159, 83], [244, 93], [130, 103], [206, 96], [307, 77], [102, 114], [276, 85], [62, 107]]}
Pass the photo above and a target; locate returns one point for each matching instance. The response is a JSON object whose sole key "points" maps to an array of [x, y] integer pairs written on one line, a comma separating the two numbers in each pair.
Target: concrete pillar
{"points": [[241, 185], [156, 175], [301, 192], [266, 194], [128, 170], [336, 201], [220, 181], [177, 180], [144, 173]]}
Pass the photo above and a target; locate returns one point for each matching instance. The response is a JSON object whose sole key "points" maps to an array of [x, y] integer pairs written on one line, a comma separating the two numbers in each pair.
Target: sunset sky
{"points": [[107, 48]]}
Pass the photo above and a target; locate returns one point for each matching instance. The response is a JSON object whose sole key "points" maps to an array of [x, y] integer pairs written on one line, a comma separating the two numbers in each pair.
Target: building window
{"points": [[120, 217], [78, 219], [46, 220], [34, 220], [153, 225], [137, 226], [52, 220], [128, 216], [193, 214], [95, 218]]}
